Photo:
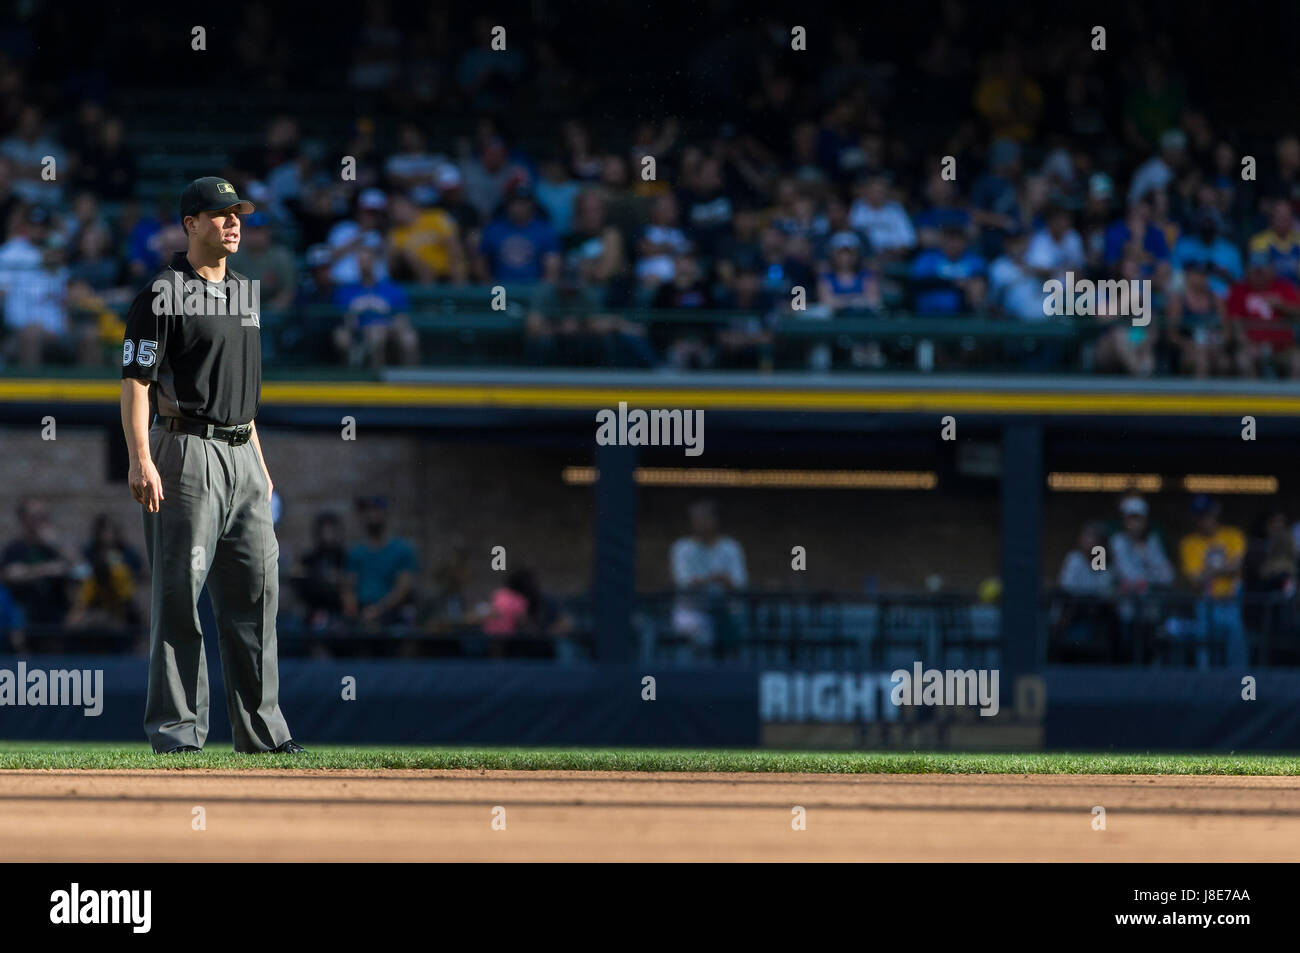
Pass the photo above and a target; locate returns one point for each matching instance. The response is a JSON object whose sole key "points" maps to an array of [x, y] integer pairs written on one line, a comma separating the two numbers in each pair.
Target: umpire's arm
{"points": [[252, 426], [146, 485]]}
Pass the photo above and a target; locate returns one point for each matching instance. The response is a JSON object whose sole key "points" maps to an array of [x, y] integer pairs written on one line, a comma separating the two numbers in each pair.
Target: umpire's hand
{"points": [[146, 485]]}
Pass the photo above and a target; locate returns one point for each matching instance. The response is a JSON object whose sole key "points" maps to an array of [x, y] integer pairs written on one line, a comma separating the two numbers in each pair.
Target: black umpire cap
{"points": [[211, 194]]}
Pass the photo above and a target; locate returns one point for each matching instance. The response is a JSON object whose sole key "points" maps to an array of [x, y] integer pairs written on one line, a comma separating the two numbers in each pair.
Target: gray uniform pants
{"points": [[214, 526]]}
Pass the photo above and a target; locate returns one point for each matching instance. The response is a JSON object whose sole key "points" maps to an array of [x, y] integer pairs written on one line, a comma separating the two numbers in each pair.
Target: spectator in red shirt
{"points": [[1260, 310]]}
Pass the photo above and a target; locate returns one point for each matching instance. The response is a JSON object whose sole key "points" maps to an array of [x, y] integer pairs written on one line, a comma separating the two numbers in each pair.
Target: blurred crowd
{"points": [[369, 584], [1060, 167], [1125, 588]]}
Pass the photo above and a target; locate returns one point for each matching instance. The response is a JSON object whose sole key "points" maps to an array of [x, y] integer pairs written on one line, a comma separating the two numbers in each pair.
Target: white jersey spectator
{"points": [[1055, 253], [884, 222], [705, 567], [701, 566], [1077, 576], [1136, 556]]}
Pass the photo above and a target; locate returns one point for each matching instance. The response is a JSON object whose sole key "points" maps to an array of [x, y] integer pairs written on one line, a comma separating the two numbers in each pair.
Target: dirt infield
{"points": [[577, 816]]}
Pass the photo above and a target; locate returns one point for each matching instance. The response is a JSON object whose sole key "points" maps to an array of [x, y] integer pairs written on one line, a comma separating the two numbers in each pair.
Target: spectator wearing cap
{"points": [[424, 245], [1260, 310], [1205, 243], [1211, 556], [317, 286], [520, 246], [347, 238], [1280, 241], [1137, 556], [266, 261], [379, 585], [1096, 217], [882, 219], [1160, 171], [1197, 324], [376, 324], [452, 200], [1141, 568], [848, 284], [949, 279]]}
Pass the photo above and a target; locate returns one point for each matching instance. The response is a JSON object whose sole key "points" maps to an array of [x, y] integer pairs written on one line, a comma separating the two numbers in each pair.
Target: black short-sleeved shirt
{"points": [[203, 365]]}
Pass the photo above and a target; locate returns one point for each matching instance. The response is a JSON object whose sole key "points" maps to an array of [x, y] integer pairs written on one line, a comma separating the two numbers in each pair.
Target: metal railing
{"points": [[818, 629], [808, 629], [1172, 628]]}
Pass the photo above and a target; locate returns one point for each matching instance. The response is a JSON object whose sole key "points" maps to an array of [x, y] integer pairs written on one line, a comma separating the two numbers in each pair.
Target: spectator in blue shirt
{"points": [[379, 585], [948, 279], [520, 247], [847, 284], [944, 208], [1137, 228], [376, 323], [1207, 246]]}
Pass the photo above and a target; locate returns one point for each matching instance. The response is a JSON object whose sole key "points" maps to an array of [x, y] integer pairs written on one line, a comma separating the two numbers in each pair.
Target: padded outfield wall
{"points": [[519, 703]]}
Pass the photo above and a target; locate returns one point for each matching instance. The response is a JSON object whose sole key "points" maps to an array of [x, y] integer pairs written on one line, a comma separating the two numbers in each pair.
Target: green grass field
{"points": [[101, 756]]}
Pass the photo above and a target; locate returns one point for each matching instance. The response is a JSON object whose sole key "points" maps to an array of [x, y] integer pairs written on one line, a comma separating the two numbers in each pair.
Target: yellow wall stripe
{"points": [[373, 394]]}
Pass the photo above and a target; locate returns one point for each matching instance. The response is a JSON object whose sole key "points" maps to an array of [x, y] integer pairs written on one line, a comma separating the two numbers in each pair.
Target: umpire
{"points": [[192, 364]]}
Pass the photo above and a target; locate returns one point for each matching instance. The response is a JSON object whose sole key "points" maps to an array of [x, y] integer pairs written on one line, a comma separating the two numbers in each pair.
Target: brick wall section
{"points": [[497, 495]]}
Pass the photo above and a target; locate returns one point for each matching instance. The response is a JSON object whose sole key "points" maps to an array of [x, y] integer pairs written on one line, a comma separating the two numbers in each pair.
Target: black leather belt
{"points": [[236, 436]]}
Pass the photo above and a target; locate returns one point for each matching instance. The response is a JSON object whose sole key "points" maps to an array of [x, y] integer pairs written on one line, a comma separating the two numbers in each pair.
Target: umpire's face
{"points": [[216, 232]]}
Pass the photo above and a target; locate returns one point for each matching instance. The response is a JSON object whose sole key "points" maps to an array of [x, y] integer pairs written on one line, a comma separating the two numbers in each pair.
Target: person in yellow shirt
{"points": [[1211, 557], [425, 244]]}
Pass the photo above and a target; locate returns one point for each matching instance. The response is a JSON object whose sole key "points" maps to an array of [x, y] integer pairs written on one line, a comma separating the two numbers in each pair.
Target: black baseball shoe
{"points": [[289, 747], [180, 749]]}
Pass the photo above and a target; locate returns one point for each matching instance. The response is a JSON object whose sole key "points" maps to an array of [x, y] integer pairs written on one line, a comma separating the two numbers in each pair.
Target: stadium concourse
{"points": [[477, 815]]}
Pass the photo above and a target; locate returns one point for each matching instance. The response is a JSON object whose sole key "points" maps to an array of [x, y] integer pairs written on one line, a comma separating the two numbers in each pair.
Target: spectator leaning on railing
{"points": [[38, 568], [706, 566], [1212, 556], [1142, 573], [379, 585]]}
